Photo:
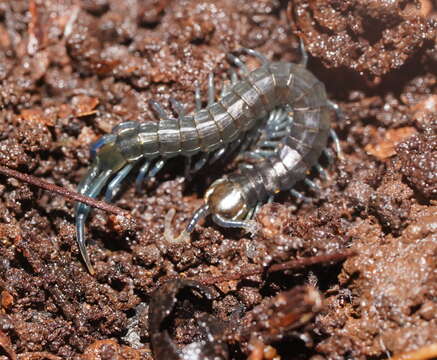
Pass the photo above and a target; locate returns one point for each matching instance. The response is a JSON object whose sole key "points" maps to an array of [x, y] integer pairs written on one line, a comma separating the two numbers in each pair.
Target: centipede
{"points": [[278, 115]]}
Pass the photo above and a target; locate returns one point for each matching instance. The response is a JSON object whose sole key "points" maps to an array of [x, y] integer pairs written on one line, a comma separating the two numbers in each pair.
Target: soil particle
{"points": [[391, 204], [418, 156], [383, 311]]}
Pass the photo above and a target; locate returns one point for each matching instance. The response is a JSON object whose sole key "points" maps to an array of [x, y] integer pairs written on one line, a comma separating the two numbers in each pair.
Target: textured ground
{"points": [[71, 70]]}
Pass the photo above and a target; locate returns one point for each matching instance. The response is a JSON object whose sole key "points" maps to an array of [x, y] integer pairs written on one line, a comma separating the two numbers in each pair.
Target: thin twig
{"points": [[289, 265], [69, 194], [313, 260]]}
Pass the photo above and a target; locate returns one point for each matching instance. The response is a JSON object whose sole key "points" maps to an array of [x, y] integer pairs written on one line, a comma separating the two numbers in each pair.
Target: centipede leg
{"points": [[239, 63], [232, 148], [277, 124], [337, 145], [278, 134], [251, 213], [234, 77], [312, 185], [249, 140], [218, 155], [250, 155], [228, 84], [114, 185], [144, 173], [257, 54], [265, 153], [88, 178], [141, 176], [199, 164], [269, 144], [185, 235], [323, 174], [187, 168], [259, 205], [197, 96], [299, 196], [328, 153], [332, 132], [211, 89], [157, 107], [205, 158], [304, 54], [225, 89]]}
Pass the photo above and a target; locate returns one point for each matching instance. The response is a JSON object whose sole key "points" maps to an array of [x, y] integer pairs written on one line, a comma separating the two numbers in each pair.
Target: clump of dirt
{"points": [[70, 71], [371, 37]]}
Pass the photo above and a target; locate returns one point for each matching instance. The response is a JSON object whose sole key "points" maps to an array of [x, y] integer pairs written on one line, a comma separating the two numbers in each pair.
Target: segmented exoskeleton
{"points": [[283, 99]]}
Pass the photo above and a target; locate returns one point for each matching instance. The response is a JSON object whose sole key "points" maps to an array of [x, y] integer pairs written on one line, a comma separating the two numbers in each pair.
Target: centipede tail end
{"points": [[80, 230]]}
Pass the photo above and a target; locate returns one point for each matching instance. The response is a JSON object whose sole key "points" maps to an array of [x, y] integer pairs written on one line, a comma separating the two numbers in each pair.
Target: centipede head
{"points": [[226, 199]]}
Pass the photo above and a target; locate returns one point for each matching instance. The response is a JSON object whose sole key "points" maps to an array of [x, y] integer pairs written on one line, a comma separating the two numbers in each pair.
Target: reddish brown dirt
{"points": [[71, 70]]}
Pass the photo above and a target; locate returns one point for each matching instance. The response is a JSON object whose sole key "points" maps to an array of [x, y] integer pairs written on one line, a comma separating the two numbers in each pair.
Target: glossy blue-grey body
{"points": [[241, 109], [249, 101]]}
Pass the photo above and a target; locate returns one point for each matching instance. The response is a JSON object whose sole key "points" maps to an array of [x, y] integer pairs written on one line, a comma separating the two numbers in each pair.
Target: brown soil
{"points": [[71, 70]]}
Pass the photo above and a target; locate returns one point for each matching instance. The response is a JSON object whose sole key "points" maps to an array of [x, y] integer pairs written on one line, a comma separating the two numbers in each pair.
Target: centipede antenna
{"points": [[114, 185], [211, 89], [256, 54], [199, 214]]}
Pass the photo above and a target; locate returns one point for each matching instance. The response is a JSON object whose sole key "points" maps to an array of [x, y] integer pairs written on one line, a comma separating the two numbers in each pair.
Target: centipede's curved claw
{"points": [[90, 186]]}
